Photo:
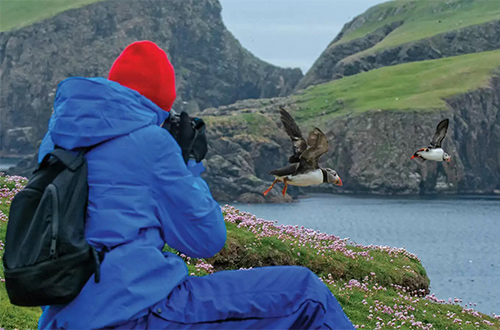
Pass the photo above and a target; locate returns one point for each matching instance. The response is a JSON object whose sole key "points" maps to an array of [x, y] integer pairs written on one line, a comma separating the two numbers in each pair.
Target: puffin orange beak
{"points": [[412, 157], [448, 160], [338, 182]]}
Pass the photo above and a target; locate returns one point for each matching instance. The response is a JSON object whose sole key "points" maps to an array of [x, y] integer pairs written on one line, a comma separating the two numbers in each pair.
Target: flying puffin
{"points": [[434, 150], [304, 169]]}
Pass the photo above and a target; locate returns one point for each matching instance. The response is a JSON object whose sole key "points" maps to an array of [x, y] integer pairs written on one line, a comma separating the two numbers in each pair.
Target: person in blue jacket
{"points": [[142, 195]]}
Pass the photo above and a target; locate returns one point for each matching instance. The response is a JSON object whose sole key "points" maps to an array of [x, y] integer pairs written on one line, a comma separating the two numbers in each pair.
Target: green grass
{"points": [[244, 250], [18, 13], [245, 125], [356, 304], [416, 86], [423, 19]]}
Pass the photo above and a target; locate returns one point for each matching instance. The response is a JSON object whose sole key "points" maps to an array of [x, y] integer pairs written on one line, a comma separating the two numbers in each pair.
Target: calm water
{"points": [[6, 163], [457, 239]]}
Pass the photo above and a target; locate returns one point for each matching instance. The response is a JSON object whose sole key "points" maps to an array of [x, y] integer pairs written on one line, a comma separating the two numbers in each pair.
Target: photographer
{"points": [[145, 191]]}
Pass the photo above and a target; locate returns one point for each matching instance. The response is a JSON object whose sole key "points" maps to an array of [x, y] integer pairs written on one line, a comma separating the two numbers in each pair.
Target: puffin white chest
{"points": [[433, 154], [306, 179]]}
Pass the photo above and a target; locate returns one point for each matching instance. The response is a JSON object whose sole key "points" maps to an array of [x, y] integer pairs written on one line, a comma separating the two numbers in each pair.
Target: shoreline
{"points": [[464, 196], [13, 156]]}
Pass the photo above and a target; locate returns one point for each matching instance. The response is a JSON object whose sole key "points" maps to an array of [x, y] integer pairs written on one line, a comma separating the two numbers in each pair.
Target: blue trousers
{"points": [[282, 297]]}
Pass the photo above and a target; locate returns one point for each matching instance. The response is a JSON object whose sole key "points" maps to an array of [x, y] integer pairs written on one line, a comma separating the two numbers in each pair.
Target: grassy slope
{"points": [[368, 299], [245, 125], [19, 13], [417, 85], [423, 19]]}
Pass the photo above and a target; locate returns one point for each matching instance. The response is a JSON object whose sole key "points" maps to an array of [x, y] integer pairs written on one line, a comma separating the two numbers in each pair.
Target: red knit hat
{"points": [[145, 68]]}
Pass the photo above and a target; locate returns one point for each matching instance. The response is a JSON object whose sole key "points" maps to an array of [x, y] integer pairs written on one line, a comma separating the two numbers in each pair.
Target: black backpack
{"points": [[47, 260]]}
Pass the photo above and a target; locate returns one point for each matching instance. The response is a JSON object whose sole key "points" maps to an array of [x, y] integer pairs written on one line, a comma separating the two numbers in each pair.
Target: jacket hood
{"points": [[88, 111]]}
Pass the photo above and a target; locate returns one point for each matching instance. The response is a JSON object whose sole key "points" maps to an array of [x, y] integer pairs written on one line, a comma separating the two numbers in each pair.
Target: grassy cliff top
{"points": [[417, 86], [251, 124], [376, 285], [18, 13], [421, 19]]}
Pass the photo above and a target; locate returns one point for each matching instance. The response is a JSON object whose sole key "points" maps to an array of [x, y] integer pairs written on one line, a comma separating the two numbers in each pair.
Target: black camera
{"points": [[189, 132], [174, 120]]}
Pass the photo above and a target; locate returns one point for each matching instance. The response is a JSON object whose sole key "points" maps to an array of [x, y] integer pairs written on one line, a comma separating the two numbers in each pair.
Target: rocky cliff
{"points": [[371, 151], [346, 58], [325, 68], [212, 68], [370, 146], [244, 145]]}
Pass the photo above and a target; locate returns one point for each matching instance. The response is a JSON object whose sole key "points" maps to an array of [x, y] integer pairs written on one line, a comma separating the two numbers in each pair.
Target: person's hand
{"points": [[185, 135], [192, 140], [200, 147]]}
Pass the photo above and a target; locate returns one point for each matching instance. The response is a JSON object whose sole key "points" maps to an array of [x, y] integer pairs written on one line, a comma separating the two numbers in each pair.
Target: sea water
{"points": [[456, 238]]}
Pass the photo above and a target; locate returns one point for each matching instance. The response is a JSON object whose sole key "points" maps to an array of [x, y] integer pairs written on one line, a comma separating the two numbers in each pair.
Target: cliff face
{"points": [[324, 68], [244, 145], [370, 151], [397, 32], [477, 134], [212, 68], [350, 58]]}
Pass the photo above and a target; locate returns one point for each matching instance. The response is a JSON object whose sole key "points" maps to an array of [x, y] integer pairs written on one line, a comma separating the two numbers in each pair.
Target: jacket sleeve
{"points": [[191, 219]]}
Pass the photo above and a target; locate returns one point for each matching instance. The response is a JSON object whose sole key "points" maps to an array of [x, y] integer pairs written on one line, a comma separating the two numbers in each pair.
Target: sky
{"points": [[289, 33]]}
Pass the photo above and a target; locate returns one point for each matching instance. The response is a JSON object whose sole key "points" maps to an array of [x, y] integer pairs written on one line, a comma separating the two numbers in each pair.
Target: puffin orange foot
{"points": [[269, 189], [284, 189]]}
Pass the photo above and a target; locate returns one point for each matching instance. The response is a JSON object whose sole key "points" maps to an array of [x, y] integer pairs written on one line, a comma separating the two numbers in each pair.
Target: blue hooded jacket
{"points": [[141, 196]]}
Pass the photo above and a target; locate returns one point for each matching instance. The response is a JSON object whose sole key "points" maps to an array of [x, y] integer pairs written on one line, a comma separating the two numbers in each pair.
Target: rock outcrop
{"points": [[243, 148], [212, 68]]}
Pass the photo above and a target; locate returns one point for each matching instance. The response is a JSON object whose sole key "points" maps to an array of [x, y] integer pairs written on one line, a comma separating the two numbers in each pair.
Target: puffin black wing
{"points": [[293, 131], [318, 145], [287, 170], [441, 130]]}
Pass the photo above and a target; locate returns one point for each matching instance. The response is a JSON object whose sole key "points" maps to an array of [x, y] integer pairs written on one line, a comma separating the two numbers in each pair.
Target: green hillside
{"points": [[19, 13], [417, 85], [423, 19]]}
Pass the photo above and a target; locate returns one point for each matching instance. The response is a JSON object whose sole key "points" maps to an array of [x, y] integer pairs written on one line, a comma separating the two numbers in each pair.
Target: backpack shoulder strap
{"points": [[67, 158]]}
